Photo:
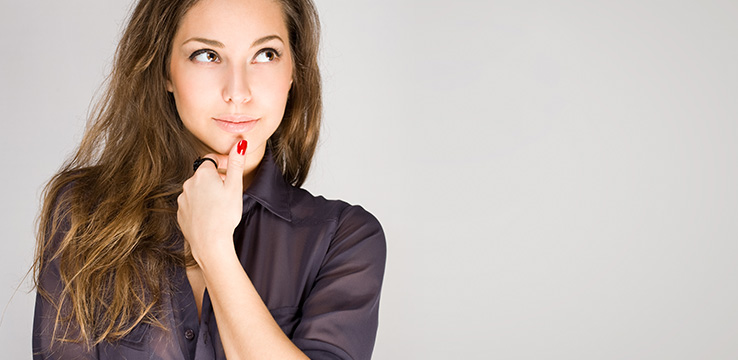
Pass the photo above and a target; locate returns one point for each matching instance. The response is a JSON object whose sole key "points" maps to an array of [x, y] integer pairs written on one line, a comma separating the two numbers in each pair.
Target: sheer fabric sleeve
{"points": [[45, 313], [340, 316]]}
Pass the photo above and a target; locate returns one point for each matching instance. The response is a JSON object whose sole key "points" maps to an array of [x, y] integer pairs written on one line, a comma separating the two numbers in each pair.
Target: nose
{"points": [[236, 87]]}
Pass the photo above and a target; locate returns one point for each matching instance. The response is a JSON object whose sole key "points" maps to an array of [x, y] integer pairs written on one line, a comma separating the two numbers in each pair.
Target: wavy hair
{"points": [[109, 215]]}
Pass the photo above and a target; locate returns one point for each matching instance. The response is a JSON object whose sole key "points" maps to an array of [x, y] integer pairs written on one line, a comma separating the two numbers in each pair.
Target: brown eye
{"points": [[205, 56], [266, 55]]}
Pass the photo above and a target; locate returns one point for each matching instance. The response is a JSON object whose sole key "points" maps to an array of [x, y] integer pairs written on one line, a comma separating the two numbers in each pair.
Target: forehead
{"points": [[232, 21]]}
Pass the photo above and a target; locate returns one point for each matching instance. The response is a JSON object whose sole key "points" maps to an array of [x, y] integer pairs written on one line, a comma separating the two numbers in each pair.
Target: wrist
{"points": [[215, 250], [217, 268]]}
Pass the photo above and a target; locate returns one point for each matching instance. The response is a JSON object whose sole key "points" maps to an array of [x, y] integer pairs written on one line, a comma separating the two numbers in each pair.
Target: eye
{"points": [[267, 55], [205, 55]]}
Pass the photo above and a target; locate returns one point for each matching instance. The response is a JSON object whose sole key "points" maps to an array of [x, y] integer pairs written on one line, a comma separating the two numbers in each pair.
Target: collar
{"points": [[269, 189]]}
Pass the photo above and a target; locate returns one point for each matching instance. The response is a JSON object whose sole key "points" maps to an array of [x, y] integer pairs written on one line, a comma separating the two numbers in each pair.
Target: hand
{"points": [[210, 205]]}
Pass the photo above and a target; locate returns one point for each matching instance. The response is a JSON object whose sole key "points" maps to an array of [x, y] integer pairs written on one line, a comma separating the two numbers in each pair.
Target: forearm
{"points": [[247, 328]]}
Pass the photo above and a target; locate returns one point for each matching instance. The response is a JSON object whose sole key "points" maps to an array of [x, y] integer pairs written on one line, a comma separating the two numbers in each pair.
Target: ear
{"points": [[170, 87]]}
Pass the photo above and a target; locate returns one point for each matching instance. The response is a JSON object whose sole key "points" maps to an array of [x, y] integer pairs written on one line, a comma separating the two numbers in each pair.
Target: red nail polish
{"points": [[241, 148]]}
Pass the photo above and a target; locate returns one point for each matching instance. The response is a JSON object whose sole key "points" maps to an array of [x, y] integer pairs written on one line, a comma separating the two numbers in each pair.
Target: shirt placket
{"points": [[204, 347], [187, 327]]}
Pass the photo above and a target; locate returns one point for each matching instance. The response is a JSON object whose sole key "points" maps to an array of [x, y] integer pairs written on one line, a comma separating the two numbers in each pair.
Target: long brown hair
{"points": [[109, 214]]}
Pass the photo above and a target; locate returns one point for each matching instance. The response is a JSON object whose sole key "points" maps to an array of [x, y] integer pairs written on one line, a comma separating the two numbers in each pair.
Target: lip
{"points": [[234, 118], [235, 124]]}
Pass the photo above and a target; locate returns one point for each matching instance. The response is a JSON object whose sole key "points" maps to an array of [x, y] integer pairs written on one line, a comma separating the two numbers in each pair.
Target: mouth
{"points": [[235, 124]]}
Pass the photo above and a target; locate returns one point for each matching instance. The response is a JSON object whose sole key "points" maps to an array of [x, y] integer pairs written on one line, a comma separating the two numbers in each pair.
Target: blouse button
{"points": [[189, 334]]}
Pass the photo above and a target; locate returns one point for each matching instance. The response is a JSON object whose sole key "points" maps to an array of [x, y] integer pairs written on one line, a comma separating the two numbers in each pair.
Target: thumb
{"points": [[236, 161]]}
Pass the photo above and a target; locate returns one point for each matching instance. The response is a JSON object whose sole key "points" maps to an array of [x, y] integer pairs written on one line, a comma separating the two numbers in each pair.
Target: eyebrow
{"points": [[266, 39], [218, 44]]}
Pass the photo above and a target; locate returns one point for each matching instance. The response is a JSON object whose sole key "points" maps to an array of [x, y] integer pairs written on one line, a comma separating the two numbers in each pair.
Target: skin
{"points": [[220, 65], [238, 78]]}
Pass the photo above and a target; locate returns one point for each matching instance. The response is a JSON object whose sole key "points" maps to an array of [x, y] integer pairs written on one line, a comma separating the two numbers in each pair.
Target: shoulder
{"points": [[353, 227], [339, 318], [56, 214], [64, 198], [306, 207], [64, 192]]}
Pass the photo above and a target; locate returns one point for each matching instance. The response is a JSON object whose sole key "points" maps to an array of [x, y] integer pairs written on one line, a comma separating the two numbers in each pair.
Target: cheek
{"points": [[273, 89], [191, 92]]}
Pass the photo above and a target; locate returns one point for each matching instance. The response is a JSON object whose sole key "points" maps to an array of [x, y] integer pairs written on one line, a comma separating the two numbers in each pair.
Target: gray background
{"points": [[556, 179]]}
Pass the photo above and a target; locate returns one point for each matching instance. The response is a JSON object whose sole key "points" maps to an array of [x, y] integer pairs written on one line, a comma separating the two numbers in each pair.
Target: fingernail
{"points": [[241, 148]]}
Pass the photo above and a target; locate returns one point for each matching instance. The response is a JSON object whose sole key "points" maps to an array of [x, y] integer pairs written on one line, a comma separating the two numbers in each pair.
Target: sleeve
{"points": [[45, 313], [340, 315]]}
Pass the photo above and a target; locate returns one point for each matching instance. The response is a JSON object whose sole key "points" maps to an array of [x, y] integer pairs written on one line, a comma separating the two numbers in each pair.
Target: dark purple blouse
{"points": [[318, 265]]}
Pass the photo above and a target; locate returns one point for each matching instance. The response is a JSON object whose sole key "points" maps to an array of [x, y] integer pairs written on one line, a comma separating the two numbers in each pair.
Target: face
{"points": [[230, 72]]}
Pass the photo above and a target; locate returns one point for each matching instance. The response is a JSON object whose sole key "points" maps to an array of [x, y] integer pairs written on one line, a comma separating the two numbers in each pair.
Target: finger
{"points": [[236, 161], [180, 205], [221, 160], [204, 161]]}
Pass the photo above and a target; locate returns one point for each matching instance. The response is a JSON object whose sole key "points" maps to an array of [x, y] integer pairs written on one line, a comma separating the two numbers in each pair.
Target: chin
{"points": [[224, 147]]}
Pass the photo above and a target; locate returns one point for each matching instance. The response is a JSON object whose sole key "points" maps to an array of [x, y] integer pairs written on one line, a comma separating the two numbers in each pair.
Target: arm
{"points": [[246, 326], [209, 210], [340, 315], [44, 319], [49, 290], [338, 318]]}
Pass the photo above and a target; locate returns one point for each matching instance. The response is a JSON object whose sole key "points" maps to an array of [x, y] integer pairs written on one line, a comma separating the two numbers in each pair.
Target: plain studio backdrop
{"points": [[556, 179]]}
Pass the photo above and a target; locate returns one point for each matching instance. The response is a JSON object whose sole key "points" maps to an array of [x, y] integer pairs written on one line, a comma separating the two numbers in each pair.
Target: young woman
{"points": [[140, 257]]}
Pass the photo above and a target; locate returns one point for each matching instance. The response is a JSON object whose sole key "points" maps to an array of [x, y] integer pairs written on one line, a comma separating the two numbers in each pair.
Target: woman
{"points": [[140, 257]]}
